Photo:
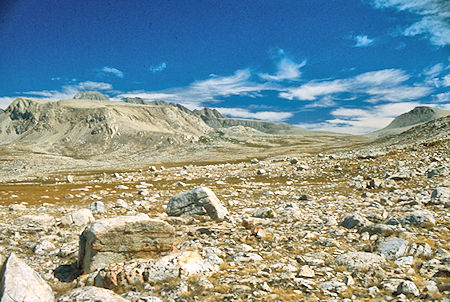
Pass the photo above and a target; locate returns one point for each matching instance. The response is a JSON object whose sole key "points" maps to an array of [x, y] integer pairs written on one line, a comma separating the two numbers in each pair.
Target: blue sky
{"points": [[340, 65]]}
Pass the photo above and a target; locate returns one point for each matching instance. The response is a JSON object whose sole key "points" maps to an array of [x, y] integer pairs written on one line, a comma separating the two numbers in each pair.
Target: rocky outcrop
{"points": [[122, 238], [19, 282], [198, 201]]}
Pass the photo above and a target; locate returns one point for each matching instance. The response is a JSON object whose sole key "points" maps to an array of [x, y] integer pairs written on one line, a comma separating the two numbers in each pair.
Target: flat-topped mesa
{"points": [[90, 95]]}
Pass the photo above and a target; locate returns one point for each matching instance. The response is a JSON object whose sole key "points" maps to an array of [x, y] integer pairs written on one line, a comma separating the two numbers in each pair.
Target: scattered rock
{"points": [[354, 221]]}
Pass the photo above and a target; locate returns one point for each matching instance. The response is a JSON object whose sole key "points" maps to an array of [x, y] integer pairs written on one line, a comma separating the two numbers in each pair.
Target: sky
{"points": [[340, 65]]}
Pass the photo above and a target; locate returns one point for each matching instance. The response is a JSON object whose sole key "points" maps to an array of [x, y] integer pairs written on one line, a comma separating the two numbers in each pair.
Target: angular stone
{"points": [[200, 200], [19, 282], [122, 238], [440, 195], [354, 221], [91, 294], [79, 217], [359, 261], [420, 218], [393, 247], [408, 288]]}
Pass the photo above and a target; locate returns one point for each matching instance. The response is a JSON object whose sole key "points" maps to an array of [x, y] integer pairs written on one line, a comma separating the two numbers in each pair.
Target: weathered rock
{"points": [[264, 212], [440, 195], [91, 294], [420, 218], [408, 288], [33, 223], [97, 207], [79, 217], [134, 274], [393, 247], [378, 229], [359, 261], [306, 272], [354, 221], [437, 171], [19, 282], [122, 238], [200, 200]]}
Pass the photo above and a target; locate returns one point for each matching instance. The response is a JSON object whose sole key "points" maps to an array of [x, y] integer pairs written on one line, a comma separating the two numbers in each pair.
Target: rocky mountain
{"points": [[87, 127], [405, 121]]}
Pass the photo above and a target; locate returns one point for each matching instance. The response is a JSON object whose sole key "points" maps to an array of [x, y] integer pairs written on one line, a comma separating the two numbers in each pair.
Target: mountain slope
{"points": [[405, 121]]}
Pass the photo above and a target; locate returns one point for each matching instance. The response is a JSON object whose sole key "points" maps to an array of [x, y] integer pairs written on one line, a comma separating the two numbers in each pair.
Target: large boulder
{"points": [[91, 294], [122, 238], [19, 282], [200, 201], [359, 261]]}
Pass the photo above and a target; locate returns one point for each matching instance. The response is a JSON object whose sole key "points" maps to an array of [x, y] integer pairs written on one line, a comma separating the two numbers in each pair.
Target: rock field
{"points": [[370, 224]]}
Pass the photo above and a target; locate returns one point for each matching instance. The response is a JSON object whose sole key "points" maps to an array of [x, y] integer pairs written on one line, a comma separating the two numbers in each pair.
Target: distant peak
{"points": [[91, 95], [419, 114], [209, 113]]}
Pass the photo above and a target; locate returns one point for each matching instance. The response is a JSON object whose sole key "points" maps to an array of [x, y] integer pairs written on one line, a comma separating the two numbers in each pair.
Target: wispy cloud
{"points": [[362, 121], [68, 91], [113, 71], [274, 116], [374, 86], [287, 69], [158, 68], [433, 16], [363, 41], [210, 90]]}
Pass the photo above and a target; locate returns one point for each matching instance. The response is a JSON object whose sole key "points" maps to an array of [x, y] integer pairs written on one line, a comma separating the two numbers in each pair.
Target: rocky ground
{"points": [[370, 224]]}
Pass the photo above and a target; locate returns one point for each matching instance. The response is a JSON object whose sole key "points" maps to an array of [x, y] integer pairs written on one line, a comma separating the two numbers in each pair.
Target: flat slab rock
{"points": [[19, 282], [91, 294], [122, 238], [198, 201], [359, 261]]}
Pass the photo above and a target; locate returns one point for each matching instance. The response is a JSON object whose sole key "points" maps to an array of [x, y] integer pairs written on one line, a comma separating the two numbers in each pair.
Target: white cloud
{"points": [[433, 18], [362, 121], [209, 90], [286, 70], [68, 91], [363, 41], [272, 116], [375, 86], [383, 77], [113, 71], [89, 85], [313, 90], [5, 101], [159, 67], [442, 97]]}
